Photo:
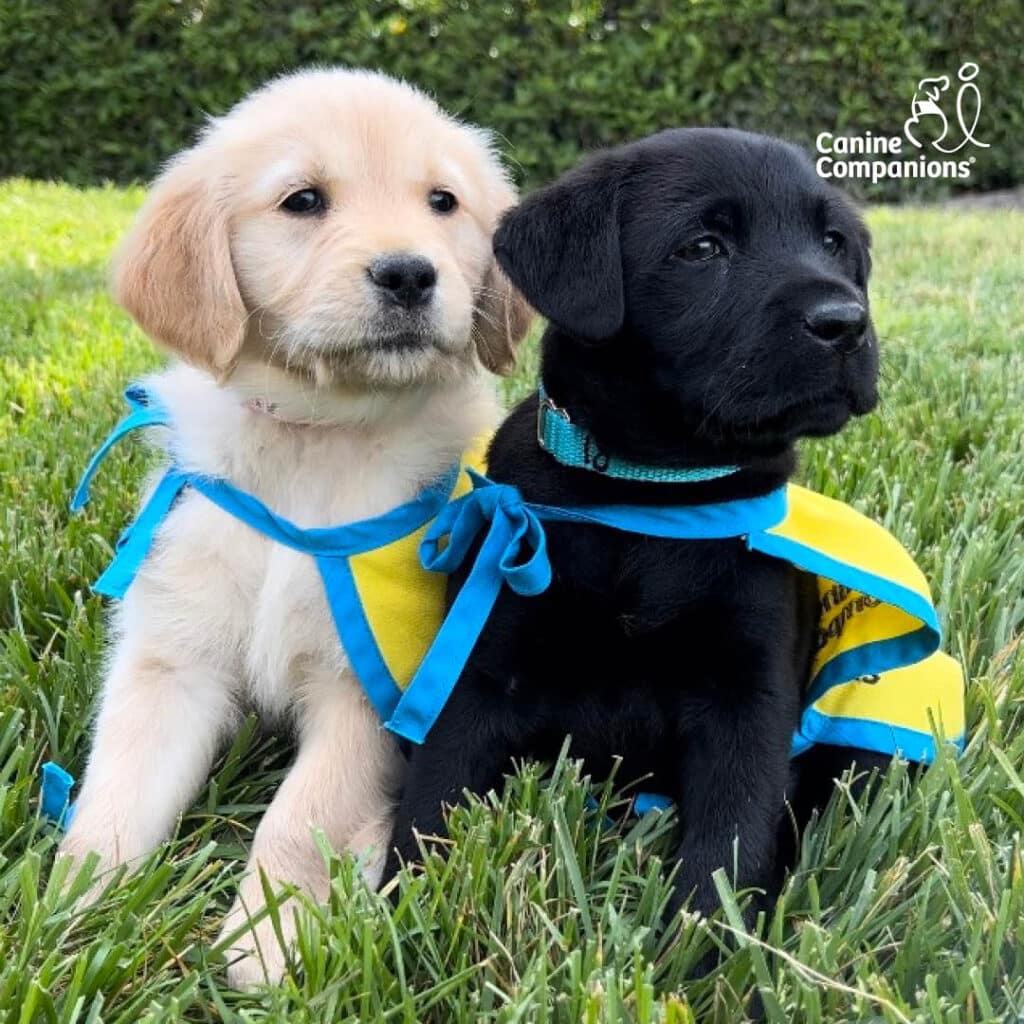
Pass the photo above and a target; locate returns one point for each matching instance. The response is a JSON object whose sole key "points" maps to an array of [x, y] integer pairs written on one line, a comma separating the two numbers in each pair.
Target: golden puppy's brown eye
{"points": [[305, 201], [442, 201]]}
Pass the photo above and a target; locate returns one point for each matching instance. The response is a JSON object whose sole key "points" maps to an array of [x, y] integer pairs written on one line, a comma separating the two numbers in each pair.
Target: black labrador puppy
{"points": [[707, 303]]}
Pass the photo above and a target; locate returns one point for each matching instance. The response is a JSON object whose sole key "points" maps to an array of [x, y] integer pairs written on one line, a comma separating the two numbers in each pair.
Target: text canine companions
{"points": [[321, 263], [707, 300]]}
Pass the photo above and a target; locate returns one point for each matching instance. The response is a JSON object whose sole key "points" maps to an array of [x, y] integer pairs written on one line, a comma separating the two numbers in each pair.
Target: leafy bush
{"points": [[107, 89]]}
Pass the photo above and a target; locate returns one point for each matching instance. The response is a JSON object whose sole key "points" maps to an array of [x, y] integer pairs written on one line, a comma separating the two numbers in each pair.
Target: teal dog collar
{"points": [[573, 446]]}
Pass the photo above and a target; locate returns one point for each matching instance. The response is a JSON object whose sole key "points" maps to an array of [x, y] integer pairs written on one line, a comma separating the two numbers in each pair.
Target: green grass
{"points": [[911, 909]]}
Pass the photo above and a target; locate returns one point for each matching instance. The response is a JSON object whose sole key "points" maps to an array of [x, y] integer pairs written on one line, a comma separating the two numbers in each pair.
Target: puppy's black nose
{"points": [[839, 324], [403, 278]]}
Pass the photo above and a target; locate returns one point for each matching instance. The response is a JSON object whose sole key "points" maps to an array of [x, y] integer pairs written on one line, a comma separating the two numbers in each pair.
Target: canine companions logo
{"points": [[927, 129]]}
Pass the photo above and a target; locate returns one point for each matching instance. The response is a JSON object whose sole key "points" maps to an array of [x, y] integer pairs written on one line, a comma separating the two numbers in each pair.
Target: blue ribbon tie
{"points": [[514, 551], [55, 793], [514, 528], [146, 411]]}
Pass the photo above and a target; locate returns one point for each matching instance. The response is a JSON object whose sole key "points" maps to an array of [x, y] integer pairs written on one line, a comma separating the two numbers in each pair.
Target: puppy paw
{"points": [[369, 845], [249, 971], [76, 848], [255, 957], [255, 954]]}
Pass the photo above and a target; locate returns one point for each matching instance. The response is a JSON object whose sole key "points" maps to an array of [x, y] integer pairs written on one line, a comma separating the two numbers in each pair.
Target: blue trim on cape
{"points": [[882, 737], [146, 411], [360, 645], [330, 541], [874, 657], [136, 541], [817, 564]]}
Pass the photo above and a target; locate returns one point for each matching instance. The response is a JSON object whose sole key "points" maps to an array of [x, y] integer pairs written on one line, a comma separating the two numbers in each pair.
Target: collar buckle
{"points": [[546, 405]]}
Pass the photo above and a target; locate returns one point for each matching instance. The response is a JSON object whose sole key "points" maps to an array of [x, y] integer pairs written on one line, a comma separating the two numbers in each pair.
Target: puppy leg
{"points": [[818, 769], [730, 788], [813, 778], [156, 735], [344, 782], [462, 751]]}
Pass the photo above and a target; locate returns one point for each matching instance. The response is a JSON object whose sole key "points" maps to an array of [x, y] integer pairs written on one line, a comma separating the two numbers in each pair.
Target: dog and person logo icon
{"points": [[926, 105]]}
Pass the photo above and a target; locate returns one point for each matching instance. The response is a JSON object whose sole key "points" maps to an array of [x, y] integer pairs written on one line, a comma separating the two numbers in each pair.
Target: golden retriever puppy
{"points": [[321, 264]]}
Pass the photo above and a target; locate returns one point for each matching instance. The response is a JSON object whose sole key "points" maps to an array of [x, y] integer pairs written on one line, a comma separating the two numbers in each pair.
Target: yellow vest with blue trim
{"points": [[385, 607], [878, 680]]}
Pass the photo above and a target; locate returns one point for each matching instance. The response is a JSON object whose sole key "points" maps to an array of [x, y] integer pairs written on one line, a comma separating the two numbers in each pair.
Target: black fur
{"points": [[685, 658]]}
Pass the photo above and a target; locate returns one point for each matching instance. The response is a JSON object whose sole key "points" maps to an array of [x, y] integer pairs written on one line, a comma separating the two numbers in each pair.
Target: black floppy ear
{"points": [[560, 248], [862, 269], [866, 243]]}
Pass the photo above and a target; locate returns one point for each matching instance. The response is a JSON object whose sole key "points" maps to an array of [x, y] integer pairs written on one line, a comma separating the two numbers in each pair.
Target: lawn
{"points": [[911, 909]]}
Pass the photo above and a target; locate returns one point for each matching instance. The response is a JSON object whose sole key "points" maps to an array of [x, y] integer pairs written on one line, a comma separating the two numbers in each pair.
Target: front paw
{"points": [[87, 861], [697, 895], [369, 845], [255, 955], [680, 923], [392, 865]]}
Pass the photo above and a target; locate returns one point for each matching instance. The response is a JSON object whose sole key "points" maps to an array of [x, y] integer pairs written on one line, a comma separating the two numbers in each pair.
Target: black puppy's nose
{"points": [[403, 278], [839, 324]]}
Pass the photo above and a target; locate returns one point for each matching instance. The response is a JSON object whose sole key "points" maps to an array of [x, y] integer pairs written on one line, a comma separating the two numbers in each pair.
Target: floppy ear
{"points": [[862, 269], [501, 316], [173, 271], [500, 321], [560, 247], [866, 245]]}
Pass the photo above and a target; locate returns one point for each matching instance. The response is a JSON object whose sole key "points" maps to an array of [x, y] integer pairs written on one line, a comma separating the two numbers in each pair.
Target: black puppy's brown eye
{"points": [[442, 201], [306, 200], [833, 242], [700, 250]]}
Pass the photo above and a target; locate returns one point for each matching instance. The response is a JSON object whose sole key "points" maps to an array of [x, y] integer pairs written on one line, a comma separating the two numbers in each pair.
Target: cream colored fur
{"points": [[260, 304]]}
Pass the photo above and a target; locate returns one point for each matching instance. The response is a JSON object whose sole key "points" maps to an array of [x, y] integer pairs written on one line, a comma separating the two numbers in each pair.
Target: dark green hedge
{"points": [[92, 90]]}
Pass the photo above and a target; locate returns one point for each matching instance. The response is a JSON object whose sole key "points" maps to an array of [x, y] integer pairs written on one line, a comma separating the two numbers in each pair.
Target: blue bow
{"points": [[515, 547], [514, 551]]}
